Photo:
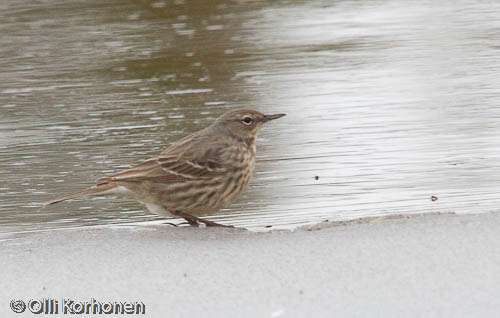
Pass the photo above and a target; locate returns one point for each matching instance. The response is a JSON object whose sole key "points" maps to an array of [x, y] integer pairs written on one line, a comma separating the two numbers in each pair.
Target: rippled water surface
{"points": [[388, 103]]}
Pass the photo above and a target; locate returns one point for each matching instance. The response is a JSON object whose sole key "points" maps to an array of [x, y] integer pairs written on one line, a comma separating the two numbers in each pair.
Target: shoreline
{"points": [[421, 265]]}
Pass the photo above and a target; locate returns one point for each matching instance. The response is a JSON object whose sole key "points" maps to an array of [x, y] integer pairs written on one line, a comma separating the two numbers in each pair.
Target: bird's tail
{"points": [[101, 189]]}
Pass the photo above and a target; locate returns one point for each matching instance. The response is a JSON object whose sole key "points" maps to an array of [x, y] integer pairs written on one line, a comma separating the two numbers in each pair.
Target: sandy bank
{"points": [[435, 266]]}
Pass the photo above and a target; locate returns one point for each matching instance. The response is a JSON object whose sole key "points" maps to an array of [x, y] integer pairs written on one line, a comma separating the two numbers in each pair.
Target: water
{"points": [[388, 103]]}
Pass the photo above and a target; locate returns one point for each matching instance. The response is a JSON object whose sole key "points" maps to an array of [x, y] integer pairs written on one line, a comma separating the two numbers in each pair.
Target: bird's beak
{"points": [[271, 117]]}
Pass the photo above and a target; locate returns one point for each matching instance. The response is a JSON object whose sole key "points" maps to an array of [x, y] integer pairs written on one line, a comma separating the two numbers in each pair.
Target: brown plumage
{"points": [[198, 175]]}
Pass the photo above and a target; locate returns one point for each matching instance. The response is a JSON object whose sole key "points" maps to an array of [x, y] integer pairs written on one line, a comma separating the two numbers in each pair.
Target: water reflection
{"points": [[388, 103]]}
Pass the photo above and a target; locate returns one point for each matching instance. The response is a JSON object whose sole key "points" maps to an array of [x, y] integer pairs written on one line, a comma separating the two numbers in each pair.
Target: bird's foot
{"points": [[192, 223], [211, 223], [195, 221]]}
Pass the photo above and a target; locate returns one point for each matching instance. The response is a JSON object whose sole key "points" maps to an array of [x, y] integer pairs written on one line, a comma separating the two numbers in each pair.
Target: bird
{"points": [[195, 176]]}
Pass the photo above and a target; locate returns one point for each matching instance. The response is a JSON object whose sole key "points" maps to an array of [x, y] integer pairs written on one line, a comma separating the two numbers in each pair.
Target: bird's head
{"points": [[243, 123]]}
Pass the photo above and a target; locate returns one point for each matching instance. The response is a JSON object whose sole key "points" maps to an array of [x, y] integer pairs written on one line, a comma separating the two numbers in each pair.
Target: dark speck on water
{"points": [[380, 96]]}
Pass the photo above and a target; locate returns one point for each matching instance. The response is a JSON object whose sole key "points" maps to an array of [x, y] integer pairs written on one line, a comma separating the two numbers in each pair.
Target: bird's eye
{"points": [[247, 120]]}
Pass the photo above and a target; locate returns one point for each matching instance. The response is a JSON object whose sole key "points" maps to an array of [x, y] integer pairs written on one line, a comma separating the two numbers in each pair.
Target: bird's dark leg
{"points": [[195, 221], [211, 223], [189, 218], [192, 220]]}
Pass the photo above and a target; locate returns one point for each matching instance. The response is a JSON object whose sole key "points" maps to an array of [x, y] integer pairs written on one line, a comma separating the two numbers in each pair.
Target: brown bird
{"points": [[198, 175]]}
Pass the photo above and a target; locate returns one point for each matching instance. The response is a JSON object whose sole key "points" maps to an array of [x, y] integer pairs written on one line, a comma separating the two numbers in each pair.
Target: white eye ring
{"points": [[247, 120]]}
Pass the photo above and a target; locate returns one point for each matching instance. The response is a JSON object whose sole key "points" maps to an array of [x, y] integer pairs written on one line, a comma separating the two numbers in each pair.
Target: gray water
{"points": [[388, 103]]}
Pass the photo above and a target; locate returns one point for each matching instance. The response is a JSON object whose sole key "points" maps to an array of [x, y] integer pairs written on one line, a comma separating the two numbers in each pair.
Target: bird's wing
{"points": [[201, 164], [149, 169], [193, 163]]}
